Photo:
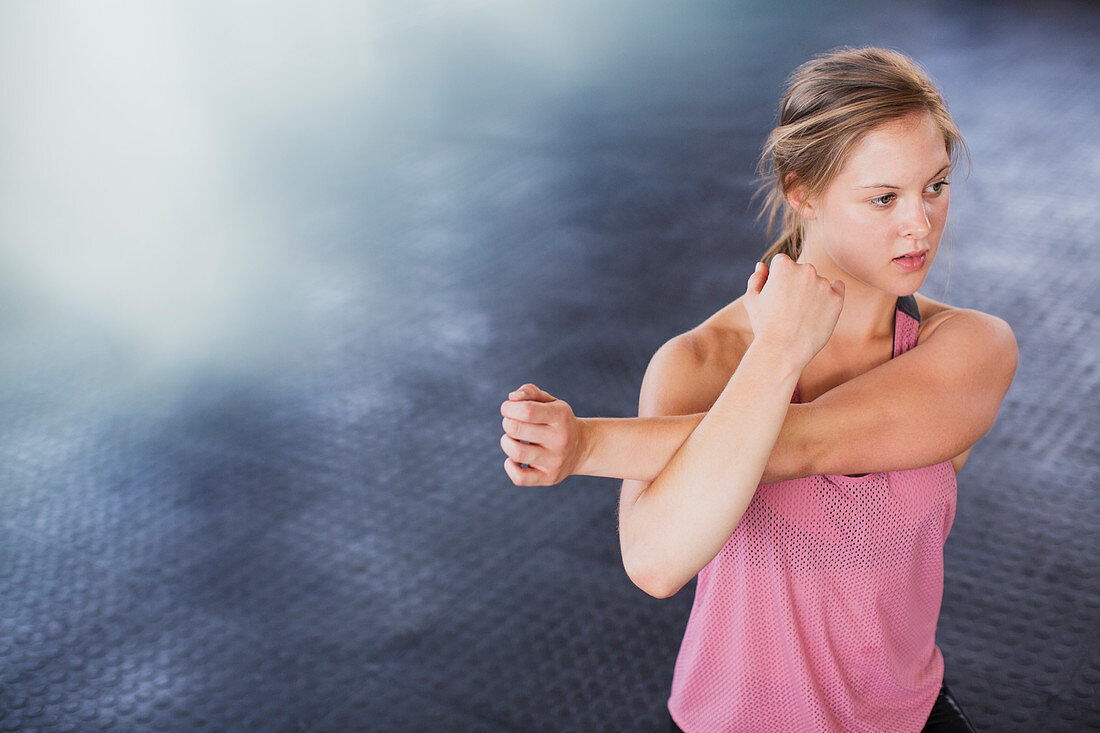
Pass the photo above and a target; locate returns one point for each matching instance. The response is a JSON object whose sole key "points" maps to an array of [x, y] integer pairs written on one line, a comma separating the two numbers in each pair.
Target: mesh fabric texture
{"points": [[820, 611]]}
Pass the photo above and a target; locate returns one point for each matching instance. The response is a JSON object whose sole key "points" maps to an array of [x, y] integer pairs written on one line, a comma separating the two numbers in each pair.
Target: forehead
{"points": [[909, 149]]}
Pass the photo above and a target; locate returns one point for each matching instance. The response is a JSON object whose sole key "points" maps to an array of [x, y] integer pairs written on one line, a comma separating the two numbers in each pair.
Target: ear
{"points": [[799, 199]]}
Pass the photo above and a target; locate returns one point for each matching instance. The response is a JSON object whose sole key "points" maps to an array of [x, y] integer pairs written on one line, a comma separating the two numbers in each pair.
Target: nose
{"points": [[915, 224]]}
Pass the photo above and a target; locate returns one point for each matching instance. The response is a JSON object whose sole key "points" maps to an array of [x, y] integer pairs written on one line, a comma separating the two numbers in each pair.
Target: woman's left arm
{"points": [[920, 408], [923, 407]]}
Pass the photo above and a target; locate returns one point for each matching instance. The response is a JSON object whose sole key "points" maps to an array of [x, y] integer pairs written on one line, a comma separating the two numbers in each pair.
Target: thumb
{"points": [[531, 392], [838, 286]]}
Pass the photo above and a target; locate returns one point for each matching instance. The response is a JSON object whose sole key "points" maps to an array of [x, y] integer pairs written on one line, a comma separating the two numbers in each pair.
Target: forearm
{"points": [[640, 447], [687, 513], [633, 447]]}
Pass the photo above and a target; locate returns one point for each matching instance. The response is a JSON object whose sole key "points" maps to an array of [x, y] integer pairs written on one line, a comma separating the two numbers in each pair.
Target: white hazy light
{"points": [[124, 194], [140, 143]]}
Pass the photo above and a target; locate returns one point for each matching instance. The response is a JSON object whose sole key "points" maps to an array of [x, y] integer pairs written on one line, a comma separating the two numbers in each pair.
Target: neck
{"points": [[868, 313]]}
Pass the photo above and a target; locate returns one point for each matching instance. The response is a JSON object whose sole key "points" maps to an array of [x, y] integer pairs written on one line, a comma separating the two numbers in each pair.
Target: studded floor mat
{"points": [[266, 279]]}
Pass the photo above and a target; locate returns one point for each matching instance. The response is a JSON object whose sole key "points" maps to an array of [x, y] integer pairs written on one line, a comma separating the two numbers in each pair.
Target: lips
{"points": [[911, 262], [914, 253]]}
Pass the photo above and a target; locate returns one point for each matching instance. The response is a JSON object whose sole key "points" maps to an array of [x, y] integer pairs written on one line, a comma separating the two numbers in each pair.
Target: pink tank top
{"points": [[820, 612]]}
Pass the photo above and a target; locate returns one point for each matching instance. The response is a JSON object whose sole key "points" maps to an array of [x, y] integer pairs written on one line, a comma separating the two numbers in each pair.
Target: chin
{"points": [[910, 291], [898, 287], [908, 288]]}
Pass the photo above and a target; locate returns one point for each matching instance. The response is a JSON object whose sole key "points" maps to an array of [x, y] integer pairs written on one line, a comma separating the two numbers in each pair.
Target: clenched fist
{"points": [[792, 308], [542, 438]]}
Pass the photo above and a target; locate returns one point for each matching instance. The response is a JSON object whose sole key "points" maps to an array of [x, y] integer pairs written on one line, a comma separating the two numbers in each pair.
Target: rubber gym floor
{"points": [[268, 274]]}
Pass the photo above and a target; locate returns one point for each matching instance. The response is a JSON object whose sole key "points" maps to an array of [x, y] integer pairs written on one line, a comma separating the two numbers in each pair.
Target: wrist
{"points": [[783, 361], [586, 439]]}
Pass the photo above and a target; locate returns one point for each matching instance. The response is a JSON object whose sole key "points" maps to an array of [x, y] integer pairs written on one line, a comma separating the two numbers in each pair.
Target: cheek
{"points": [[937, 213], [858, 222], [870, 228], [851, 233]]}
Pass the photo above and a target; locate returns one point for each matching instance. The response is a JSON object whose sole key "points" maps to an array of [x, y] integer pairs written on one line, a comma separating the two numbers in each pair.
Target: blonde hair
{"points": [[832, 101]]}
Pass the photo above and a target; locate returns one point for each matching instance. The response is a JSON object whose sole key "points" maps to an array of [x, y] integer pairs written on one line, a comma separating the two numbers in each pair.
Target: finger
{"points": [[523, 476], [838, 286], [531, 392], [805, 270], [780, 266], [529, 432], [527, 411], [531, 454], [758, 277]]}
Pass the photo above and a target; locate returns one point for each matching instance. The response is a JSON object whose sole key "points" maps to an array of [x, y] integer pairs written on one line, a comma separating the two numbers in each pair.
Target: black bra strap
{"points": [[907, 304]]}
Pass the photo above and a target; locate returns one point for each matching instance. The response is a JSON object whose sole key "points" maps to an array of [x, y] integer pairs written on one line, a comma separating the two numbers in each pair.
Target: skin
{"points": [[722, 389], [856, 227]]}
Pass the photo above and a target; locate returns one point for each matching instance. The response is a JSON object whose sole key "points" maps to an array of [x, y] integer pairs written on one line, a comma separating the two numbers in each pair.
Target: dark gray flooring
{"points": [[263, 490]]}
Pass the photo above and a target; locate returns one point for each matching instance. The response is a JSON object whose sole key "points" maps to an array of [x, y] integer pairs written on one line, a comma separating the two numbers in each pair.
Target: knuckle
{"points": [[520, 454]]}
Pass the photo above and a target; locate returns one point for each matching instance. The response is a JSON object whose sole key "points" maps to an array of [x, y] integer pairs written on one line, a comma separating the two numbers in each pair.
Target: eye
{"points": [[883, 200], [938, 186]]}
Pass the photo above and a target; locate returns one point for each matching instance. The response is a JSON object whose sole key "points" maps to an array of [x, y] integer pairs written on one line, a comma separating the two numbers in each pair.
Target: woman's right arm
{"points": [[674, 525]]}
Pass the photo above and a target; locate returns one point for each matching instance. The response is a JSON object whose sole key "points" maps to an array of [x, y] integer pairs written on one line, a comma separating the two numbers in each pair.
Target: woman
{"points": [[798, 449]]}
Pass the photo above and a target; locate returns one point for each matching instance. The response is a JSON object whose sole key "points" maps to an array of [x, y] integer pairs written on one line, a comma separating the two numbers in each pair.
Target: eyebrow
{"points": [[887, 185]]}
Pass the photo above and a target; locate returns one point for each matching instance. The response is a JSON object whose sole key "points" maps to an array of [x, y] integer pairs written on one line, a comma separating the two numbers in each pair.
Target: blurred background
{"points": [[267, 271]]}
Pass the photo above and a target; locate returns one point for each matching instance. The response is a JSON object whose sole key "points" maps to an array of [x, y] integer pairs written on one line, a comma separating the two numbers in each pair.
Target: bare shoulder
{"points": [[987, 330], [977, 349], [970, 341], [932, 314], [689, 372]]}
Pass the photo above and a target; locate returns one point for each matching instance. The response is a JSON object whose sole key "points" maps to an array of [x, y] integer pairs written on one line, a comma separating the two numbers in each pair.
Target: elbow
{"points": [[807, 460], [651, 577], [655, 585], [804, 451]]}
